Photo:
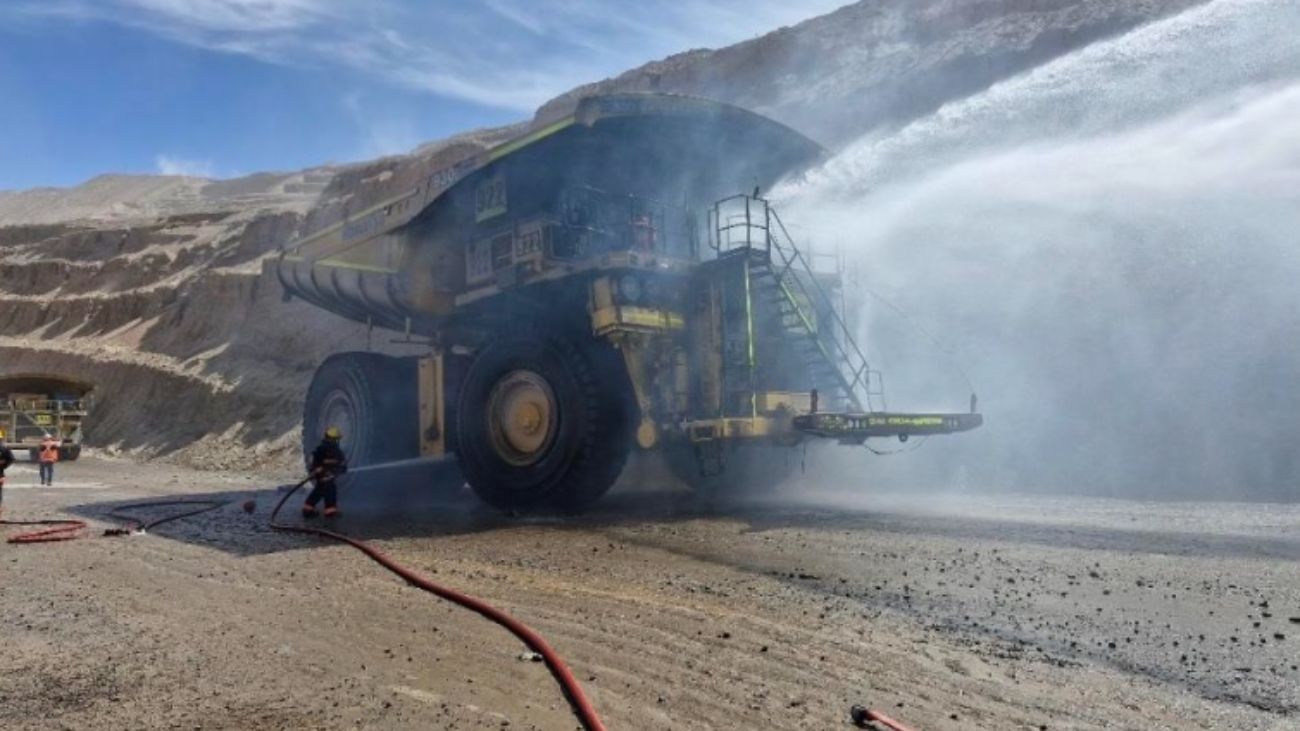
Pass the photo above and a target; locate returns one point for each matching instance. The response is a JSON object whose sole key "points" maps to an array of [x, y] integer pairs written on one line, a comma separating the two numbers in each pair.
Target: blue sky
{"points": [[230, 87]]}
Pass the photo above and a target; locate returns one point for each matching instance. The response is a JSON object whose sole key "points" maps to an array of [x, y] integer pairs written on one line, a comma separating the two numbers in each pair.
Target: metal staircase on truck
{"points": [[777, 272], [771, 274]]}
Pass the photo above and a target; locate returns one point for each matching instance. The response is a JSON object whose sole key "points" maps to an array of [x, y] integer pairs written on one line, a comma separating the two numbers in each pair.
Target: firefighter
{"points": [[328, 463], [48, 454], [6, 459]]}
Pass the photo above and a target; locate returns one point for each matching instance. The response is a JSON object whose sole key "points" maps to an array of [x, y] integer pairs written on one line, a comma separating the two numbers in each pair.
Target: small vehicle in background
{"points": [[35, 405]]}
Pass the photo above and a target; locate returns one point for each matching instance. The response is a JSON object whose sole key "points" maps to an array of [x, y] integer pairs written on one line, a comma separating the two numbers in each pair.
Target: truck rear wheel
{"points": [[371, 399], [543, 424]]}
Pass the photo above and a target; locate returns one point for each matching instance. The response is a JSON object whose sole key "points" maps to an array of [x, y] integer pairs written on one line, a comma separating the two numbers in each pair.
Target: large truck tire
{"points": [[749, 470], [69, 452], [544, 422], [372, 399]]}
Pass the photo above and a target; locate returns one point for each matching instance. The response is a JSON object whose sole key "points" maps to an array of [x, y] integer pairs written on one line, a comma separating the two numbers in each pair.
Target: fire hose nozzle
{"points": [[859, 716]]}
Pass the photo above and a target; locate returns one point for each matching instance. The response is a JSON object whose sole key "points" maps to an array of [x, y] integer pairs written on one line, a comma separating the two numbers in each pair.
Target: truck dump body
{"points": [[403, 262]]}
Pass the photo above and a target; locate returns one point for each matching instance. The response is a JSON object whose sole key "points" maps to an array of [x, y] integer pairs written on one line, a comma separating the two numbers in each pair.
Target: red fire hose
{"points": [[582, 707], [63, 530], [59, 530], [862, 716], [68, 529]]}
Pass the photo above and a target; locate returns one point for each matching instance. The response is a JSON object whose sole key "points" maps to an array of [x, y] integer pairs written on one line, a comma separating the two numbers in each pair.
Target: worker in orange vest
{"points": [[48, 453], [6, 459]]}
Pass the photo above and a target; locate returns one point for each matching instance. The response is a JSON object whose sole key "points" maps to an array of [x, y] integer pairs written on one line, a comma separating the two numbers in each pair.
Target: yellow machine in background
{"points": [[590, 288], [33, 406]]}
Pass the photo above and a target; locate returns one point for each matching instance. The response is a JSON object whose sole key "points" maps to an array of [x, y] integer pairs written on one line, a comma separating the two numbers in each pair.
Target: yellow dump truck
{"points": [[34, 405], [612, 281]]}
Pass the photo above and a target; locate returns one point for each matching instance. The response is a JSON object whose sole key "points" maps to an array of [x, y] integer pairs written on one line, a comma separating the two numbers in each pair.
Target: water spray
{"points": [[1113, 252]]}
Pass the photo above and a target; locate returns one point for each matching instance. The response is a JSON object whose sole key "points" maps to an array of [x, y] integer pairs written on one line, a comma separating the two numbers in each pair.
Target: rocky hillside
{"points": [[880, 63], [152, 288]]}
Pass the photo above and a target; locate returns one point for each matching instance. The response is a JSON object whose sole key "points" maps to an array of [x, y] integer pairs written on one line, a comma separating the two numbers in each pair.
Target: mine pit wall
{"points": [[877, 64], [194, 356], [149, 412], [199, 360]]}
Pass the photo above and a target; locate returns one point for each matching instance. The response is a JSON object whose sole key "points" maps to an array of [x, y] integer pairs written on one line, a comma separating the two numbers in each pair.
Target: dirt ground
{"points": [[952, 612]]}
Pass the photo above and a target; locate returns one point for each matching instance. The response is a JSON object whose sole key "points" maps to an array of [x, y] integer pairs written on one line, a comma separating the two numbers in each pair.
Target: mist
{"points": [[1108, 246]]}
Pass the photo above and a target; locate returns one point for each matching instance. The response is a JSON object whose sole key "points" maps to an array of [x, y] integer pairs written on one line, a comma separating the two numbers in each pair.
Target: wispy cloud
{"points": [[511, 54], [381, 134], [169, 165], [242, 16]]}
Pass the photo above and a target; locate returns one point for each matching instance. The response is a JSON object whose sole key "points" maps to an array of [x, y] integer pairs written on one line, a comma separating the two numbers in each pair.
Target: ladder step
{"points": [[780, 279]]}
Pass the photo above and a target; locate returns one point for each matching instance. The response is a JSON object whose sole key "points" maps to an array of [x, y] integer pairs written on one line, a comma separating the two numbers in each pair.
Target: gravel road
{"points": [[948, 612]]}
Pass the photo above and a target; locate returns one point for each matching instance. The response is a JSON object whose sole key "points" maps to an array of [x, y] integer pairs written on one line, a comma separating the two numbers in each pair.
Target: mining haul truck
{"points": [[33, 406], [589, 288]]}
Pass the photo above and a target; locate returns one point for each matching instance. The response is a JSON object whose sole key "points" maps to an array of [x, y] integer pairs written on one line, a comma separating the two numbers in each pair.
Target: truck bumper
{"points": [[857, 428]]}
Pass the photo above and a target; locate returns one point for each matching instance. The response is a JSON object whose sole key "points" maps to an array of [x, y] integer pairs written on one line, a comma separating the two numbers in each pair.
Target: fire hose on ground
{"points": [[582, 707], [132, 524], [56, 530], [68, 529], [863, 716]]}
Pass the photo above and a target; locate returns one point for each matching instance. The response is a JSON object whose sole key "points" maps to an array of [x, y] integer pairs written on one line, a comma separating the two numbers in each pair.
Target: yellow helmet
{"points": [[2, 433], [333, 434]]}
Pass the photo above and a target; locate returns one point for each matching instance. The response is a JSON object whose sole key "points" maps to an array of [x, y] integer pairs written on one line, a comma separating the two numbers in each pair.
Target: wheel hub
{"points": [[522, 417], [339, 411]]}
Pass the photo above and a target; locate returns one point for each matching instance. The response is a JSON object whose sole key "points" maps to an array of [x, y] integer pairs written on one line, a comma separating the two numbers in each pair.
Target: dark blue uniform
{"points": [[6, 459], [327, 463]]}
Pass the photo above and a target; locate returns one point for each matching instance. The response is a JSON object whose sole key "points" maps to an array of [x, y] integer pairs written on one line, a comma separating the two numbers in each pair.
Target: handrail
{"points": [[846, 344], [796, 277], [744, 222], [44, 405]]}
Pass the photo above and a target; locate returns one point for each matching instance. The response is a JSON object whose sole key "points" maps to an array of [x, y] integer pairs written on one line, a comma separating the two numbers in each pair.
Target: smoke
{"points": [[1109, 245]]}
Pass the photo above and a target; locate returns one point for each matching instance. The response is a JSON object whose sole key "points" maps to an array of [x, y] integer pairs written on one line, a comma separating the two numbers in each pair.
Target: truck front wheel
{"points": [[543, 423]]}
